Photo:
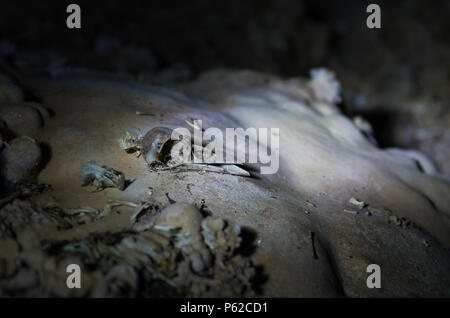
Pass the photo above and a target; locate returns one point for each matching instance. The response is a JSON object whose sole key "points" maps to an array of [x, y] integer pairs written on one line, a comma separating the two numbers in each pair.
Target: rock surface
{"points": [[297, 221]]}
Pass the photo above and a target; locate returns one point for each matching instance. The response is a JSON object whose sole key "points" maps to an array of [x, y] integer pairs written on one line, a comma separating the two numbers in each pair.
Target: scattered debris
{"points": [[311, 204], [111, 203], [394, 220], [101, 177], [139, 210], [170, 200], [399, 221], [177, 252], [189, 187], [375, 210], [204, 208], [356, 202]]}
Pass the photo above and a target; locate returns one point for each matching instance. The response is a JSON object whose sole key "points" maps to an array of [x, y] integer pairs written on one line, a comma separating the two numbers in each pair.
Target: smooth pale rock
{"points": [[180, 215]]}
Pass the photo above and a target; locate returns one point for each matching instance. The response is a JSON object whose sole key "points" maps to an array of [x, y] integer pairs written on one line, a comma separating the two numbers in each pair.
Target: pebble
{"points": [[23, 119]]}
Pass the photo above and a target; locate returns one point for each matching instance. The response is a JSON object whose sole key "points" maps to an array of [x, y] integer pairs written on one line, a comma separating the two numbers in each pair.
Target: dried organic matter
{"points": [[101, 177]]}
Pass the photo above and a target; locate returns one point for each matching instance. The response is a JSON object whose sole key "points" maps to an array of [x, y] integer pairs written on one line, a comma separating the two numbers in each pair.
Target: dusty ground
{"points": [[296, 227]]}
